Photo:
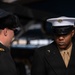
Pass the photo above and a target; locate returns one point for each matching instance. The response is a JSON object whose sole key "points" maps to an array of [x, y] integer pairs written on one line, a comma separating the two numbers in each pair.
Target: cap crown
{"points": [[62, 21]]}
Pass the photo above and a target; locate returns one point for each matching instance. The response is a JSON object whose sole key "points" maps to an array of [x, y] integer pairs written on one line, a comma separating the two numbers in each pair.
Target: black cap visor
{"points": [[62, 30]]}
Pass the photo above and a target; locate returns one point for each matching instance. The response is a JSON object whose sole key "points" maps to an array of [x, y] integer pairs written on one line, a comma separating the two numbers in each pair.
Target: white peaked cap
{"points": [[62, 21]]}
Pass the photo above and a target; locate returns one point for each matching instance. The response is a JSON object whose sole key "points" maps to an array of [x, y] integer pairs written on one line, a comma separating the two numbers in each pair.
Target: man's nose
{"points": [[61, 37]]}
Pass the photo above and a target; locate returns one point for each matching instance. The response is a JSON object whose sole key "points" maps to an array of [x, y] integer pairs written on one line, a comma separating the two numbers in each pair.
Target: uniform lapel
{"points": [[71, 66], [53, 57]]}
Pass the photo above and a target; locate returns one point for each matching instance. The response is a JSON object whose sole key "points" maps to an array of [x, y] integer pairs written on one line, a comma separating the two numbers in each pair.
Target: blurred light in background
{"points": [[22, 41], [32, 43], [39, 42], [8, 1]]}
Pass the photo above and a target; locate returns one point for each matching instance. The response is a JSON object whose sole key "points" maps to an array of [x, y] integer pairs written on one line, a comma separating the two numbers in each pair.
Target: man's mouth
{"points": [[61, 43]]}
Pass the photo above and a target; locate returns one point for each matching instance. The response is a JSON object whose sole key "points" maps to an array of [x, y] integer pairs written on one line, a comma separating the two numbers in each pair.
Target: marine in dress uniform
{"points": [[7, 65], [57, 58]]}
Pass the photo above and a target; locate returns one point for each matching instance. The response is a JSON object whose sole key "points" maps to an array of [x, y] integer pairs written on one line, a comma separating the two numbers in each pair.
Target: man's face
{"points": [[64, 41], [9, 37]]}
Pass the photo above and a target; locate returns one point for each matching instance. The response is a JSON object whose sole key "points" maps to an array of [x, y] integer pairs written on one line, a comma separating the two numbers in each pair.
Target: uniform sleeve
{"points": [[38, 66]]}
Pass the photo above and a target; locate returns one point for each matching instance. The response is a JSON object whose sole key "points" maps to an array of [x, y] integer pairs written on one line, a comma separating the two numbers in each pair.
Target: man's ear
{"points": [[73, 32], [5, 31]]}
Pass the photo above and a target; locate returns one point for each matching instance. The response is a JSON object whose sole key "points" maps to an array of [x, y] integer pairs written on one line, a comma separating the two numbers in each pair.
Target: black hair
{"points": [[10, 21]]}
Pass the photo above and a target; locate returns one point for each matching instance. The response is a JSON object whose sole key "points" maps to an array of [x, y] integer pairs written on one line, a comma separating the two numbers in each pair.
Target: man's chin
{"points": [[62, 47]]}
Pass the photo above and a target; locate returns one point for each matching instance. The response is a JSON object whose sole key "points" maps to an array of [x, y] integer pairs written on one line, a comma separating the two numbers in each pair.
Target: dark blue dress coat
{"points": [[7, 65], [47, 60]]}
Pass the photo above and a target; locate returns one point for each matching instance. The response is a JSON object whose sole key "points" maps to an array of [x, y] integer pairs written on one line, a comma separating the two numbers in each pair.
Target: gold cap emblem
{"points": [[60, 20]]}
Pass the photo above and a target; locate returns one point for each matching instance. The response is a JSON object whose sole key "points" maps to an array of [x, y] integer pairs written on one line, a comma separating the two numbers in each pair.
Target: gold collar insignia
{"points": [[1, 49], [48, 51]]}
